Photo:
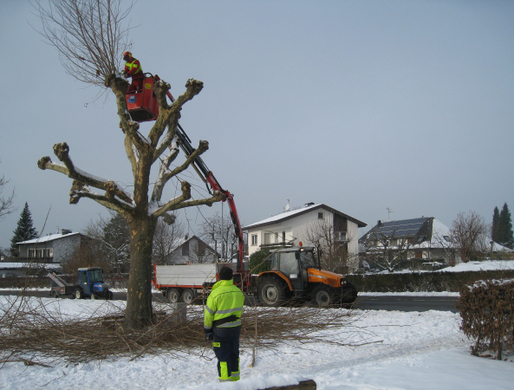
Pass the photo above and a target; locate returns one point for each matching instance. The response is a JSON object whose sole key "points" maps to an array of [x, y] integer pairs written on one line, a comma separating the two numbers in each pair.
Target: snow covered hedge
{"points": [[487, 312]]}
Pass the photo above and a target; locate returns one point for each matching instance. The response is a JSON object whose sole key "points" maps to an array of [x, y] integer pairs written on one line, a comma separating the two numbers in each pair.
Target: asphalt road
{"points": [[379, 302]]}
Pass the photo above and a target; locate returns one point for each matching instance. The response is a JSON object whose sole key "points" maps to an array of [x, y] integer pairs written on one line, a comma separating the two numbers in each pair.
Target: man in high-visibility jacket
{"points": [[133, 69], [222, 324]]}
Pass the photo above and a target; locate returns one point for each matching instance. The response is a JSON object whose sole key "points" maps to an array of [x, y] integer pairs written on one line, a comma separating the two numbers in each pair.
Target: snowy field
{"points": [[414, 350]]}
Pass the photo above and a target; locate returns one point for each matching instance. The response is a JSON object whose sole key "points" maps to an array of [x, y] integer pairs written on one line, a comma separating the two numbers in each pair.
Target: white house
{"points": [[299, 225], [192, 249], [53, 248]]}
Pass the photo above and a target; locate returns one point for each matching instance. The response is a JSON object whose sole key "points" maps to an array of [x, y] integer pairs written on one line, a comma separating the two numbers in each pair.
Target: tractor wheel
{"points": [[78, 294], [349, 294], [271, 292], [173, 295], [188, 295], [322, 295]]}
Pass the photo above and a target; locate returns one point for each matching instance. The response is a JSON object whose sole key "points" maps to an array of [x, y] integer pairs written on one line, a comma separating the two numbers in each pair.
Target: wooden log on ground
{"points": [[303, 385]]}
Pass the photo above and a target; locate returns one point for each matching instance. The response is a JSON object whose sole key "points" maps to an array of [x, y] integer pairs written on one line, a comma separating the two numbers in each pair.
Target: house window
{"points": [[340, 236], [320, 215], [254, 239], [283, 236], [185, 249], [267, 238]]}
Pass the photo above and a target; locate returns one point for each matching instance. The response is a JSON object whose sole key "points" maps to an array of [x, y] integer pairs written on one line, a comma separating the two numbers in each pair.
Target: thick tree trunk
{"points": [[139, 312]]}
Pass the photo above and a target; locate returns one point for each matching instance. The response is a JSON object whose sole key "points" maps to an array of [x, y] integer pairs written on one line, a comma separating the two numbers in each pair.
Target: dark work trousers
{"points": [[226, 348]]}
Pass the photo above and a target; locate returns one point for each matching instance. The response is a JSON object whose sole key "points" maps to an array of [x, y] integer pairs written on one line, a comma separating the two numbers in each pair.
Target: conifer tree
{"points": [[495, 230], [24, 231], [505, 227]]}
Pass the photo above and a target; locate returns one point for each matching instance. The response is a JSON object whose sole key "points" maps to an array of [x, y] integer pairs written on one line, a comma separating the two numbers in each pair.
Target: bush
{"points": [[487, 310], [258, 262]]}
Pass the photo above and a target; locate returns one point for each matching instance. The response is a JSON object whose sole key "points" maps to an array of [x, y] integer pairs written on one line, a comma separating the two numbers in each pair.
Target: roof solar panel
{"points": [[406, 227]]}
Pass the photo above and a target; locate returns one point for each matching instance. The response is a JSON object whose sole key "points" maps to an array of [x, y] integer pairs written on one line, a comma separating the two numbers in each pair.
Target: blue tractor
{"points": [[90, 284]]}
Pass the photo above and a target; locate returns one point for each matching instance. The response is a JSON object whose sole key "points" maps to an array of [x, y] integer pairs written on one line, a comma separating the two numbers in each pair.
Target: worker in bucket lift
{"points": [[222, 324], [133, 69]]}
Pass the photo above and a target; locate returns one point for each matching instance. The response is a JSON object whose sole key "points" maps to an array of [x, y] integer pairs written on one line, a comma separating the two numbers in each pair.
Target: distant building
{"points": [[425, 238], [192, 250], [53, 248], [300, 225]]}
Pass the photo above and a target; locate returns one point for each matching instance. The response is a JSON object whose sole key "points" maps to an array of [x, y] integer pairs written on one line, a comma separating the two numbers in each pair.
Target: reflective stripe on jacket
{"points": [[133, 68], [224, 301]]}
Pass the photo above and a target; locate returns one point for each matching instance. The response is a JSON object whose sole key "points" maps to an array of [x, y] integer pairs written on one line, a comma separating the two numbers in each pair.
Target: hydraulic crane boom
{"points": [[208, 177]]}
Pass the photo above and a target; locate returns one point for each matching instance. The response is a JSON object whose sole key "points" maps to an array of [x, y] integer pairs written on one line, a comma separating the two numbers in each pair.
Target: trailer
{"points": [[189, 282]]}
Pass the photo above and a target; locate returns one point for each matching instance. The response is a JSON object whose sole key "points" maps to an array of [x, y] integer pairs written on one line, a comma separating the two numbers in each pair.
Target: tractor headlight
{"points": [[343, 282]]}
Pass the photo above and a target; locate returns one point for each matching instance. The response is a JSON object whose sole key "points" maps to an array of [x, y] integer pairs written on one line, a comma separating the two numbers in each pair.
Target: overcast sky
{"points": [[361, 105]]}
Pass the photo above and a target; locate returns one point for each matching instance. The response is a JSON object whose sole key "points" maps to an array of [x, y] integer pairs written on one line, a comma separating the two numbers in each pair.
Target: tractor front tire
{"points": [[323, 296], [349, 294]]}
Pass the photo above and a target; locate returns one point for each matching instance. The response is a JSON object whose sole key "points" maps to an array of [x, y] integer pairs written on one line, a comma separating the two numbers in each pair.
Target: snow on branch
{"points": [[83, 179]]}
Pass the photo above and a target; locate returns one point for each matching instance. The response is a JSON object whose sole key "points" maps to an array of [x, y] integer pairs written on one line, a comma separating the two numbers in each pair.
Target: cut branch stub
{"points": [[43, 161], [76, 188], [186, 189], [61, 151], [195, 86]]}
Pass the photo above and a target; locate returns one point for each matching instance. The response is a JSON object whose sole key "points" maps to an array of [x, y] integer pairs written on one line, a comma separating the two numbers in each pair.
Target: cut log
{"points": [[303, 385]]}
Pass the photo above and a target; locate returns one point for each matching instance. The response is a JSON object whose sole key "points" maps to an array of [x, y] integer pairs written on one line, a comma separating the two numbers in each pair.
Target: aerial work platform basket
{"points": [[142, 103]]}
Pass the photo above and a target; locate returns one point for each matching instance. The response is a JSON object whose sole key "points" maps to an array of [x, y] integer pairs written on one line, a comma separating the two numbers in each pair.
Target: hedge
{"points": [[487, 309], [424, 281]]}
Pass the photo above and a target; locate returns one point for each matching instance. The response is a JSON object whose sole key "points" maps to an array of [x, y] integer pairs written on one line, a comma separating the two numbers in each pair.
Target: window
{"points": [[320, 215], [185, 249], [267, 238], [254, 239]]}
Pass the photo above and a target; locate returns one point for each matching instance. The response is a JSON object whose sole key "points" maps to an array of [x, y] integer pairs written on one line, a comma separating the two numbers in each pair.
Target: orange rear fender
{"points": [[280, 275]]}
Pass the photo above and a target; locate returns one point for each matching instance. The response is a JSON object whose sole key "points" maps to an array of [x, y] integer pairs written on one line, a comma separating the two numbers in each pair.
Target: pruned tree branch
{"points": [[112, 190]]}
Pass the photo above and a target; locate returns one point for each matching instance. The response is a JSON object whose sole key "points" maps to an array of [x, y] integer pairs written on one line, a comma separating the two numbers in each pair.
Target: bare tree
{"points": [[166, 239], [469, 232], [334, 248], [68, 24], [218, 232], [6, 203], [386, 250]]}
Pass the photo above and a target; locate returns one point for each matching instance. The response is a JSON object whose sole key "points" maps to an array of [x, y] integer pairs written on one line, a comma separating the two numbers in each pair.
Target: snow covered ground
{"points": [[414, 350]]}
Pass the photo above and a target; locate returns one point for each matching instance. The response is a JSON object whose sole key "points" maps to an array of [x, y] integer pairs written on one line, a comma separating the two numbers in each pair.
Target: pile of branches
{"points": [[34, 334], [487, 312]]}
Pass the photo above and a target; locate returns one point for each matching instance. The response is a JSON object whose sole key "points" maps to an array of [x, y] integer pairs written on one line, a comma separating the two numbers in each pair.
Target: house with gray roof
{"points": [[424, 238], [190, 250], [52, 248]]}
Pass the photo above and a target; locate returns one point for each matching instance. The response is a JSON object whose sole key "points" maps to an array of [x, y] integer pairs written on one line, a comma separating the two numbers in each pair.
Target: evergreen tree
{"points": [[495, 230], [505, 223], [24, 231]]}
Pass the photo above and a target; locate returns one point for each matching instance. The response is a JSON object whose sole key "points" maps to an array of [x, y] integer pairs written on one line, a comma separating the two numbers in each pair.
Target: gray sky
{"points": [[361, 105]]}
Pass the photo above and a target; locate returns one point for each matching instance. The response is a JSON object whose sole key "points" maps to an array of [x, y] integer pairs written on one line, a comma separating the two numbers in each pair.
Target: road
{"points": [[367, 302]]}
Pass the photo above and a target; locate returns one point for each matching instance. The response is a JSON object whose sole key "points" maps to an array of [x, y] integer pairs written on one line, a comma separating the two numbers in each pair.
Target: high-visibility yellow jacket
{"points": [[133, 68], [225, 300]]}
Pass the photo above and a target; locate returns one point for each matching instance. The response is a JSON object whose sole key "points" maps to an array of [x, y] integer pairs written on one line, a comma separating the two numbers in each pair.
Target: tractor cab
{"points": [[142, 104], [92, 284]]}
